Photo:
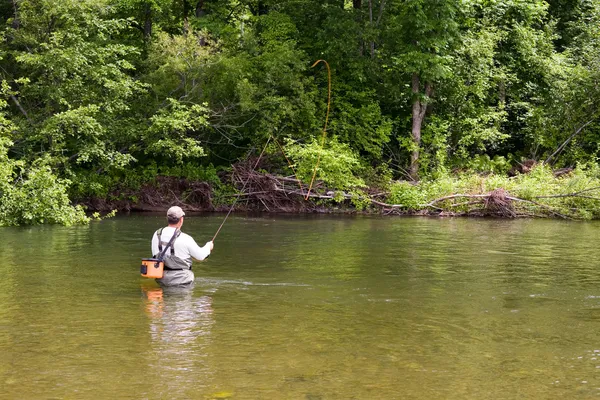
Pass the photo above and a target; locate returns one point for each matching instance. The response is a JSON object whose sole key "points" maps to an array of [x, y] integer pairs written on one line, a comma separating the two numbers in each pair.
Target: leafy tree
{"points": [[31, 194], [73, 80], [420, 42], [567, 121]]}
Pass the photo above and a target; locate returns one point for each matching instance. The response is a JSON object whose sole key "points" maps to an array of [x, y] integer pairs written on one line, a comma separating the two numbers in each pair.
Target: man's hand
{"points": [[211, 244]]}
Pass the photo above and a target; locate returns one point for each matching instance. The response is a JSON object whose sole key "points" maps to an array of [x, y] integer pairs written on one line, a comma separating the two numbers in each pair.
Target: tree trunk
{"points": [[186, 12], [381, 7], [371, 43], [148, 22], [200, 9], [16, 22], [418, 115]]}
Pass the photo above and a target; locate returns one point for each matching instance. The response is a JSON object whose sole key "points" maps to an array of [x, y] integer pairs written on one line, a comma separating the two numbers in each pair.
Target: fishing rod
{"points": [[243, 187]]}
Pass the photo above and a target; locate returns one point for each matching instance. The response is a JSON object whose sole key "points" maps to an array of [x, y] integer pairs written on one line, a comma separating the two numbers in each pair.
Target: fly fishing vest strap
{"points": [[172, 262], [170, 244]]}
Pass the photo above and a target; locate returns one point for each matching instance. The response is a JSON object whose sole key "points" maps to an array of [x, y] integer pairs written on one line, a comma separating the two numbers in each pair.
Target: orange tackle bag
{"points": [[155, 267], [152, 268]]}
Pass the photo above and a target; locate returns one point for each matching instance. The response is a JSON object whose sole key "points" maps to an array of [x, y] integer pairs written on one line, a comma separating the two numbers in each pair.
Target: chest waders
{"points": [[154, 267]]}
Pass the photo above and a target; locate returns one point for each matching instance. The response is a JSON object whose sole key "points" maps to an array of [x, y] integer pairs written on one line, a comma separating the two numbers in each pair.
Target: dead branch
{"points": [[454, 196], [566, 142], [575, 194], [549, 208]]}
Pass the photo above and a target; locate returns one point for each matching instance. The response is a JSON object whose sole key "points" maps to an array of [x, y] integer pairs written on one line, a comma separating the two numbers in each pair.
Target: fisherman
{"points": [[178, 258]]}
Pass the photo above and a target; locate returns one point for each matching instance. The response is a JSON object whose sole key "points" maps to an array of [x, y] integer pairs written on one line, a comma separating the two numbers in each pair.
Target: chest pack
{"points": [[155, 267]]}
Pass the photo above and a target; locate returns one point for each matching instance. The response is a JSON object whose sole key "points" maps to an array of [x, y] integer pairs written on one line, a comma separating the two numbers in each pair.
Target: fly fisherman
{"points": [[178, 258]]}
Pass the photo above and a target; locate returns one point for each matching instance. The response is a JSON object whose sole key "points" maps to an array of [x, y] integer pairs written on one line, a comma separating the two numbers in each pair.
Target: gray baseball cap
{"points": [[175, 212]]}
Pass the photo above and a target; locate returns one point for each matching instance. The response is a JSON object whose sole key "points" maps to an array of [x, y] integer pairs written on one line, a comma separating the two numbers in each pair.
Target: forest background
{"points": [[485, 107]]}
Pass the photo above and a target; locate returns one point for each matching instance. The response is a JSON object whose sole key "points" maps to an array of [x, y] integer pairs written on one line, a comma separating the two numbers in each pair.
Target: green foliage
{"points": [[360, 123], [109, 94], [96, 216], [37, 196], [407, 195], [73, 81], [179, 67], [427, 31], [167, 135], [434, 158], [359, 200], [541, 193], [276, 88], [483, 163], [338, 164], [31, 195]]}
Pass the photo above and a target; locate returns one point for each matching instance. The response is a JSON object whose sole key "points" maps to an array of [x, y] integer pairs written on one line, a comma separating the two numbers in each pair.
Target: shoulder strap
{"points": [[173, 239], [175, 235], [158, 233]]}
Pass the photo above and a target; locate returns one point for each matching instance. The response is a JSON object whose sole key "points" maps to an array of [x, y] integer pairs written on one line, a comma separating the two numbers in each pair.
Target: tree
{"points": [[420, 41], [73, 81]]}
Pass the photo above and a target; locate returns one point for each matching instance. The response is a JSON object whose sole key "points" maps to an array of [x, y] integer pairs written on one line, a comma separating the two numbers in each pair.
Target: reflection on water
{"points": [[305, 308], [180, 332]]}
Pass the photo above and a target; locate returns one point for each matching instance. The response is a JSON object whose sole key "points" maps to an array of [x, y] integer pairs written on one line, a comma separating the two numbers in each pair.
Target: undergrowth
{"points": [[539, 193]]}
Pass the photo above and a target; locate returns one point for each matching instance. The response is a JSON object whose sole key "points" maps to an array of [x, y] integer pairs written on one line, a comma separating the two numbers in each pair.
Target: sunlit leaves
{"points": [[173, 131], [338, 167]]}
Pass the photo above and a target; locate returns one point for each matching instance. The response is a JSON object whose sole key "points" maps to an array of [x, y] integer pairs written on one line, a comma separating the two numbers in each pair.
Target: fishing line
{"points": [[243, 187], [325, 127], [283, 152], [290, 165]]}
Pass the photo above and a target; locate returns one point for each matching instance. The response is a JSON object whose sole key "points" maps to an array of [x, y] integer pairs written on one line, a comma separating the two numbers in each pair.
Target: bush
{"points": [[338, 166], [574, 195], [37, 196]]}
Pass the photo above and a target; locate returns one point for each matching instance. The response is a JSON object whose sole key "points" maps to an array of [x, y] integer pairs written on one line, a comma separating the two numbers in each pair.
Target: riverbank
{"points": [[538, 193]]}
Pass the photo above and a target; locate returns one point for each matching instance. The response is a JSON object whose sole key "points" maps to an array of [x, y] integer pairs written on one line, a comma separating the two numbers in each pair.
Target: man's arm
{"points": [[154, 245], [197, 252]]}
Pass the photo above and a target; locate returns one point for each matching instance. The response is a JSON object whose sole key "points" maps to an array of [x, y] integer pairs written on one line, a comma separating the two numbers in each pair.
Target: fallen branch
{"points": [[270, 192], [551, 209], [454, 196], [575, 194], [562, 146]]}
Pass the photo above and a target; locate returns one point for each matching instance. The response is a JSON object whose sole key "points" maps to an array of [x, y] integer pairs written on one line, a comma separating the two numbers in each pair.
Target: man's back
{"points": [[178, 263], [185, 246]]}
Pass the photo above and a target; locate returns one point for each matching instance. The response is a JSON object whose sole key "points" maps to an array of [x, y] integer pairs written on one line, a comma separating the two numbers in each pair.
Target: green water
{"points": [[305, 308]]}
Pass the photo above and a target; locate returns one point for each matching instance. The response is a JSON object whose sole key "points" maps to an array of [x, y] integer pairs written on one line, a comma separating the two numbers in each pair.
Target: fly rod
{"points": [[243, 187]]}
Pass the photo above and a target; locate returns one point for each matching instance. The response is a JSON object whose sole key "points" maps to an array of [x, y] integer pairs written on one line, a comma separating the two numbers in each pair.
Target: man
{"points": [[178, 257]]}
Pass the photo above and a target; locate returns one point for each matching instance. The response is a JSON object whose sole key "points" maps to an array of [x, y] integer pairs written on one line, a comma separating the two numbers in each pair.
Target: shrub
{"points": [[37, 196], [574, 195], [338, 167]]}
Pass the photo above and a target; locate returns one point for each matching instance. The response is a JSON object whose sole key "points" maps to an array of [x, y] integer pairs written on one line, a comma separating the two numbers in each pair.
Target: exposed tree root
{"points": [[164, 192]]}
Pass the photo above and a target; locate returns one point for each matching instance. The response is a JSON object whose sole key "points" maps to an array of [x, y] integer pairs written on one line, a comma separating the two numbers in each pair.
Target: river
{"points": [[315, 307]]}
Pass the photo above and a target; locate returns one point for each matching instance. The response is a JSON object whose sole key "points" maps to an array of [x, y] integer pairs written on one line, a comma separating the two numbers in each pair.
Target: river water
{"points": [[305, 308]]}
